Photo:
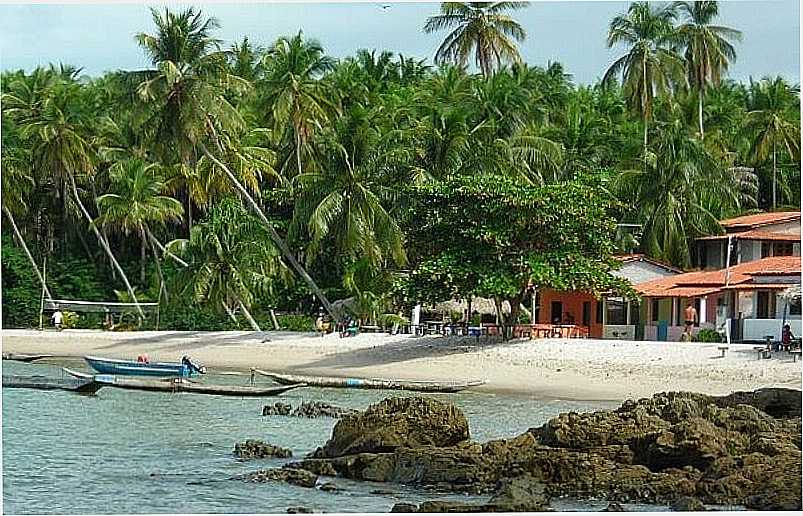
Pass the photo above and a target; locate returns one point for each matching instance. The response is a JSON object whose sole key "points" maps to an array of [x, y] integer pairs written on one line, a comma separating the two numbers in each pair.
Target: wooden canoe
{"points": [[80, 385], [23, 357], [371, 383], [182, 385]]}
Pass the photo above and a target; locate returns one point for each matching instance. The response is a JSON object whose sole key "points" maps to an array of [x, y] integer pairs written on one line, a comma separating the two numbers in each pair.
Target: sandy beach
{"points": [[566, 369]]}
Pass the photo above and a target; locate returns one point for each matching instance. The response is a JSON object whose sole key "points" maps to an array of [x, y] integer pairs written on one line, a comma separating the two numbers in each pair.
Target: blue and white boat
{"points": [[183, 369]]}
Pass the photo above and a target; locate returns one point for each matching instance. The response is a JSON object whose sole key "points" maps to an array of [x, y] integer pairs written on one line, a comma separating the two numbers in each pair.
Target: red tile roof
{"points": [[700, 283], [757, 234], [760, 219]]}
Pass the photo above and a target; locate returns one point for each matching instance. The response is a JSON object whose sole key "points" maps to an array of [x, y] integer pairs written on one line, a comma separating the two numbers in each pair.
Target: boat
{"points": [[371, 383], [181, 385], [79, 385], [131, 368], [24, 357]]}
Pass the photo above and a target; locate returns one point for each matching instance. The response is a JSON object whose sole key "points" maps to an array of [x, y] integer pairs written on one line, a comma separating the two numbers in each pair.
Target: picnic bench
{"points": [[723, 350], [763, 352], [795, 353]]}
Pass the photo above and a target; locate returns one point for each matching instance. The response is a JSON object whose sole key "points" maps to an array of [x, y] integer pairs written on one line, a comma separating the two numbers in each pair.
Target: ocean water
{"points": [[140, 452]]}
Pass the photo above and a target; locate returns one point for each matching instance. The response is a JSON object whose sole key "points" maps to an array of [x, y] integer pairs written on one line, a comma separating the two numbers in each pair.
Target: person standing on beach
{"points": [[690, 316], [57, 317]]}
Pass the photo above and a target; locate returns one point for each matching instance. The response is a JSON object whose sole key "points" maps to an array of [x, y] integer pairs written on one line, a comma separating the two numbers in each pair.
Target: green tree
{"points": [[136, 203], [231, 261], [481, 28], [493, 236], [773, 125], [296, 100], [650, 67], [708, 48]]}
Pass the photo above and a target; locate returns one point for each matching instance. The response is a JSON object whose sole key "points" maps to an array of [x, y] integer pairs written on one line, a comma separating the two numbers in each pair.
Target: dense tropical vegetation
{"points": [[224, 183]]}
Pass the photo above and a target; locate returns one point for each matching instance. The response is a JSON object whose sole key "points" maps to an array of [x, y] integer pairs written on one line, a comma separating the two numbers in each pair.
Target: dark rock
{"points": [[295, 476], [395, 423], [614, 507], [254, 449], [329, 487], [521, 494], [277, 409], [321, 409], [688, 504], [404, 507], [449, 506], [299, 510]]}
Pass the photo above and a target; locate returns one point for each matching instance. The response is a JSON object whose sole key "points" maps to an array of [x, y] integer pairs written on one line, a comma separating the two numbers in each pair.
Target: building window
{"points": [[617, 311], [586, 313], [766, 249], [794, 307], [762, 304], [599, 311], [782, 249], [654, 309], [557, 312]]}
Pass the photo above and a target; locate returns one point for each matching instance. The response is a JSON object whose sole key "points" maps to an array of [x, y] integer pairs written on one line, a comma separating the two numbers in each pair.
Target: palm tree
{"points": [[55, 127], [186, 88], [137, 203], [773, 123], [230, 260], [650, 67], [682, 194], [708, 48], [481, 28], [296, 100]]}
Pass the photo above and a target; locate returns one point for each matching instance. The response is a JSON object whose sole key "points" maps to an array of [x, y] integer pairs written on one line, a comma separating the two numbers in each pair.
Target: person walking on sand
{"points": [[690, 315], [57, 318]]}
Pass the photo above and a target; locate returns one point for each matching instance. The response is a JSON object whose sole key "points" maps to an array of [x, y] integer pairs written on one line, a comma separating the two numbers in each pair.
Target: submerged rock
{"points": [[298, 477], [688, 504], [670, 448], [299, 510], [614, 507], [396, 423], [404, 507], [255, 449], [277, 409], [309, 409]]}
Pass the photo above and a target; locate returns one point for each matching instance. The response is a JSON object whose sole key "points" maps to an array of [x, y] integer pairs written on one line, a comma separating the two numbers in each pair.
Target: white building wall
{"points": [[787, 228], [639, 272], [745, 305]]}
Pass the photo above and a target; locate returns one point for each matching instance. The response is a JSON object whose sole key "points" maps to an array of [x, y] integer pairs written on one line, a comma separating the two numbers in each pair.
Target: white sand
{"points": [[569, 369]]}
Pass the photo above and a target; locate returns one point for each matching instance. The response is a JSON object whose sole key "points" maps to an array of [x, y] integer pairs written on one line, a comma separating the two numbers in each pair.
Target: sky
{"points": [[99, 37]]}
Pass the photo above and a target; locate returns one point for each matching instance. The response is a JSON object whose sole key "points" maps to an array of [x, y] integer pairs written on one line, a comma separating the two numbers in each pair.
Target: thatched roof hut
{"points": [[481, 305]]}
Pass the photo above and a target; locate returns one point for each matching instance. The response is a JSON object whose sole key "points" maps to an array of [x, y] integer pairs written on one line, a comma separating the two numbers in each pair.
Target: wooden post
{"points": [[42, 302]]}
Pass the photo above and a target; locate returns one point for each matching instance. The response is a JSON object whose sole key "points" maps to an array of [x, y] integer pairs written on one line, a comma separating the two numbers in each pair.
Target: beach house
{"points": [[610, 317], [742, 274]]}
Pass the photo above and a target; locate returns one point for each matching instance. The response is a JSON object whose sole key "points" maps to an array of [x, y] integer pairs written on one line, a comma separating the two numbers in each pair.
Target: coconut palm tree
{"points": [[773, 124], [230, 260], [481, 28], [137, 203], [295, 99], [708, 48], [650, 67]]}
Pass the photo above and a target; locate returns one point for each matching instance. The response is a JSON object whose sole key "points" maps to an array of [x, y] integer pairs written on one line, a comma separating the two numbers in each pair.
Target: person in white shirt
{"points": [[57, 317]]}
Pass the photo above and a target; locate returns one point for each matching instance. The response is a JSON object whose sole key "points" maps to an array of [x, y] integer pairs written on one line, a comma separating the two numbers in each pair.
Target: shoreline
{"points": [[567, 369]]}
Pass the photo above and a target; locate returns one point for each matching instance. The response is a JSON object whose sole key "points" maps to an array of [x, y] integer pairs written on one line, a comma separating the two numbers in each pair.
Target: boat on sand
{"points": [[370, 383]]}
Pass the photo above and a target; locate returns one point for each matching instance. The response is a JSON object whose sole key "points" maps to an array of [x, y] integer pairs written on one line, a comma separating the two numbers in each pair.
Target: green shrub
{"points": [[707, 335], [295, 322]]}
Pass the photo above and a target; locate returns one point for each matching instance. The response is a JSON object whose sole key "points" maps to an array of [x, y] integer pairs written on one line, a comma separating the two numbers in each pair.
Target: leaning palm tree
{"points": [[650, 67], [481, 28], [295, 99], [137, 203], [230, 260], [773, 124], [708, 48]]}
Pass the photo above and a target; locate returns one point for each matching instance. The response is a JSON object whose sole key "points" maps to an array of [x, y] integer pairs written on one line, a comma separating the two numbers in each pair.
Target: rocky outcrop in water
{"points": [[309, 409], [298, 477], [670, 448], [397, 423], [254, 449]]}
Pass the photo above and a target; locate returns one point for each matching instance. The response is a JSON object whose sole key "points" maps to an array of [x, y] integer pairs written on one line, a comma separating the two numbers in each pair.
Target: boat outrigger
{"points": [[113, 366], [181, 385], [371, 383]]}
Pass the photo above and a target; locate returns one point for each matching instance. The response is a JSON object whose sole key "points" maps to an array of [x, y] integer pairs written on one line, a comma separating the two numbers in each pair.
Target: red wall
{"points": [[572, 303]]}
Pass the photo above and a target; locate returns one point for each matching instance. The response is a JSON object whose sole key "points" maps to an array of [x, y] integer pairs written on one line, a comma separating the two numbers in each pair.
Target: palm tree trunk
{"points": [[280, 243], [247, 315], [700, 112], [164, 250], [142, 242], [774, 175], [162, 287], [298, 150], [27, 252], [228, 311], [105, 245]]}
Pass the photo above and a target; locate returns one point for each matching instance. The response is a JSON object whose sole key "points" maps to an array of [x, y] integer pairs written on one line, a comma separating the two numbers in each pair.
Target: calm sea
{"points": [[139, 452]]}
